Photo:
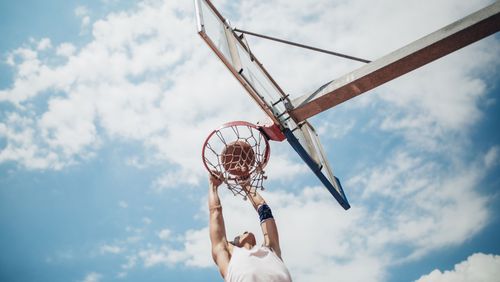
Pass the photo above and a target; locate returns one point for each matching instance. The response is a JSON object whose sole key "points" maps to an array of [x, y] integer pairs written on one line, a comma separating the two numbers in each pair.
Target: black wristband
{"points": [[264, 212]]}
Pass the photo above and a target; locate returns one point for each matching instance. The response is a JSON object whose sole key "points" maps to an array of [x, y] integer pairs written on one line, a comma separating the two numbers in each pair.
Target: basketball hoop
{"points": [[238, 151]]}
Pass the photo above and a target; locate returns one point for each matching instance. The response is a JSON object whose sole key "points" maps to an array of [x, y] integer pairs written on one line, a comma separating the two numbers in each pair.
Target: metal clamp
{"points": [[282, 114], [282, 99], [299, 125]]}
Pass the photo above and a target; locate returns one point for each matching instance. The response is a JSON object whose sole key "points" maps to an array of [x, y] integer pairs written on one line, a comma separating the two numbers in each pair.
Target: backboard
{"points": [[233, 50]]}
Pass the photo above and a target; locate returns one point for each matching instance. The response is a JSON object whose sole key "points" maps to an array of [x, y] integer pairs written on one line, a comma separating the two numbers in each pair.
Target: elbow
{"points": [[276, 249], [278, 252]]}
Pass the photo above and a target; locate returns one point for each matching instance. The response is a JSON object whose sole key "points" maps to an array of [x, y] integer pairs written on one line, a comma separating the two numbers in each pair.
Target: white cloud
{"points": [[44, 44], [428, 109], [334, 130], [22, 145], [83, 13], [147, 220], [430, 207], [137, 162], [92, 277], [164, 234], [26, 62], [123, 204], [492, 157], [134, 239], [65, 49], [162, 256], [152, 258], [68, 124], [283, 169], [61, 256], [131, 262], [196, 249], [478, 267], [175, 178], [110, 249], [85, 21]]}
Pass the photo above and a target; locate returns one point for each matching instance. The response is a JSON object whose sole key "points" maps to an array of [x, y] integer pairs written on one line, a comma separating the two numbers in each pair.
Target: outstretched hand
{"points": [[215, 179], [245, 184]]}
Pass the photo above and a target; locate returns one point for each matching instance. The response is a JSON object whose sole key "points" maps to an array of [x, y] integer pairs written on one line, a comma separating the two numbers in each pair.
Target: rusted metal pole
{"points": [[457, 35]]}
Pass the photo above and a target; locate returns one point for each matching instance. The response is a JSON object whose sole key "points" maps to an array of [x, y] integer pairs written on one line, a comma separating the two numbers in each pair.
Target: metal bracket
{"points": [[282, 99]]}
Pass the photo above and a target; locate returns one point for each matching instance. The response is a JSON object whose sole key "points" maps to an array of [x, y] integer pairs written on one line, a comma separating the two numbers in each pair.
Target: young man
{"points": [[241, 259]]}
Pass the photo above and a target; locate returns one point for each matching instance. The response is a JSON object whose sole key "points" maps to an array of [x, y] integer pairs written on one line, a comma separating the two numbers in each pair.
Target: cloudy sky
{"points": [[105, 104]]}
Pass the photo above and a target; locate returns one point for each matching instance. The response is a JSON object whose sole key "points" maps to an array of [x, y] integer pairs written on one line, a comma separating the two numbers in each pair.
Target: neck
{"points": [[247, 246]]}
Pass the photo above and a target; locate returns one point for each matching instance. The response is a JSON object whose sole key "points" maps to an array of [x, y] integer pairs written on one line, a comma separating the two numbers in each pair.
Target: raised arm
{"points": [[268, 224], [220, 251]]}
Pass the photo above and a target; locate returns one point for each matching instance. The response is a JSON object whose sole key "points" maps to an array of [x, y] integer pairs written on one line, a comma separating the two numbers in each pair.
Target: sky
{"points": [[105, 105]]}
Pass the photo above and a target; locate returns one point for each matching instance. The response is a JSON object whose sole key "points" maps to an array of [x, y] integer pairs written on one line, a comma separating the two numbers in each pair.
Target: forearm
{"points": [[213, 198], [267, 222], [255, 198], [216, 220]]}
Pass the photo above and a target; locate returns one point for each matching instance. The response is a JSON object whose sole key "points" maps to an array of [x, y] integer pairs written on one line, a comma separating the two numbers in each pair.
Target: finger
{"points": [[245, 183], [216, 175]]}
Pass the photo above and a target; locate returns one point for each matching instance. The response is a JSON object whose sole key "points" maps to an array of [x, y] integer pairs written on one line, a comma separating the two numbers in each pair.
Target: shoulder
{"points": [[276, 252]]}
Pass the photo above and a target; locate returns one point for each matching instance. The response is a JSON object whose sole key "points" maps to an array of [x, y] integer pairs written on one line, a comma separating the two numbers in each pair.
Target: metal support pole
{"points": [[303, 46], [457, 35]]}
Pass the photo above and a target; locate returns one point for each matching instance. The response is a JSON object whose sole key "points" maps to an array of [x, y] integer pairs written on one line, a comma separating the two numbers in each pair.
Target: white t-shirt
{"points": [[256, 264]]}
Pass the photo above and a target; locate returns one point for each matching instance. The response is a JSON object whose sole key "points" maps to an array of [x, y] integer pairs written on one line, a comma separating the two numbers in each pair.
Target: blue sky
{"points": [[104, 106]]}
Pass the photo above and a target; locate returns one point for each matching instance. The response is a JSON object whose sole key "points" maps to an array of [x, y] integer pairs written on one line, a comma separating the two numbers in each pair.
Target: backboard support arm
{"points": [[455, 36], [302, 46]]}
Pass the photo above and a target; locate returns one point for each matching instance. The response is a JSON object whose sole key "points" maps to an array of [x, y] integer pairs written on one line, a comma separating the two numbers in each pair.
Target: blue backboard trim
{"points": [[340, 197]]}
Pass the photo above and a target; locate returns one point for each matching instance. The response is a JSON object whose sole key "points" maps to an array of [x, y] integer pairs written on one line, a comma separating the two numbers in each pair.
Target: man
{"points": [[241, 259]]}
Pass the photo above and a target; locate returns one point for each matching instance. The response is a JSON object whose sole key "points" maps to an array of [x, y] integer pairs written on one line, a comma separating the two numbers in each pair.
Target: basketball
{"points": [[238, 158]]}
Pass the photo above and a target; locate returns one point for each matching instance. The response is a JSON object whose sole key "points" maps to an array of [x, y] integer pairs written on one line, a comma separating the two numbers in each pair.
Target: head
{"points": [[244, 238]]}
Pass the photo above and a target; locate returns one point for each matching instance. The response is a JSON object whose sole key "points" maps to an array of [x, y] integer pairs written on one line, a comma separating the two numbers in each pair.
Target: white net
{"points": [[238, 152]]}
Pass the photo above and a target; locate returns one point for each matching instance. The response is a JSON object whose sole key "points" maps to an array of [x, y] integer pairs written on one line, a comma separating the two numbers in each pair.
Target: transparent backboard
{"points": [[235, 53]]}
